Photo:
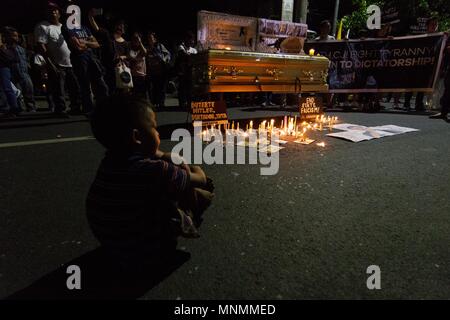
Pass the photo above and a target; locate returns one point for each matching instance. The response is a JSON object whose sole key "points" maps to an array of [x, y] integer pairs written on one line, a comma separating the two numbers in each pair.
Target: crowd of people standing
{"points": [[87, 63]]}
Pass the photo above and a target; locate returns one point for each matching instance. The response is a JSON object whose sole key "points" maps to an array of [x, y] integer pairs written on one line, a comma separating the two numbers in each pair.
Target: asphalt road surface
{"points": [[309, 232]]}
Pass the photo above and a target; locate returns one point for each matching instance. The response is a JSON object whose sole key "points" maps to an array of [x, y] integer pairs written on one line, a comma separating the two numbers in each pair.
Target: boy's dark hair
{"points": [[115, 117]]}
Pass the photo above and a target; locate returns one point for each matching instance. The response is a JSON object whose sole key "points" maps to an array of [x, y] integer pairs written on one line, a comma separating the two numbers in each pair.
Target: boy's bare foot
{"points": [[188, 229], [203, 199]]}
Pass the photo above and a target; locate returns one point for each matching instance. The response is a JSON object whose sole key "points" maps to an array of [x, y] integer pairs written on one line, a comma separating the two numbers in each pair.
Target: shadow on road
{"points": [[100, 279]]}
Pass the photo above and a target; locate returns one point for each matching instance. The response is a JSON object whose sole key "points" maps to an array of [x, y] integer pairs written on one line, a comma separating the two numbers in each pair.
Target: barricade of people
{"points": [[87, 63]]}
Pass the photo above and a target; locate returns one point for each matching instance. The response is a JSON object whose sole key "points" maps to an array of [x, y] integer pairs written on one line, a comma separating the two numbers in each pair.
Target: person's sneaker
{"points": [[272, 104], [263, 104], [437, 116]]}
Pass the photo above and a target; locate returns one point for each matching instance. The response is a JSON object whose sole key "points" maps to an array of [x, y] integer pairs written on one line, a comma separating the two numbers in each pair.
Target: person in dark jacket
{"points": [[21, 77], [7, 60], [158, 61]]}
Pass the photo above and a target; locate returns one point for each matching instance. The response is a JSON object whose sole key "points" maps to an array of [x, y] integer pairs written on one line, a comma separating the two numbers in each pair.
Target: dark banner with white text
{"points": [[383, 65]]}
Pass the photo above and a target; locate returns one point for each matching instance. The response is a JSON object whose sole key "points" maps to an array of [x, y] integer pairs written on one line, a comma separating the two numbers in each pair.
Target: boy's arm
{"points": [[196, 175]]}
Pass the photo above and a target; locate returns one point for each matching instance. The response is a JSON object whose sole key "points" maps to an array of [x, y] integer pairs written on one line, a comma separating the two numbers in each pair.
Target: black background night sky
{"points": [[169, 18]]}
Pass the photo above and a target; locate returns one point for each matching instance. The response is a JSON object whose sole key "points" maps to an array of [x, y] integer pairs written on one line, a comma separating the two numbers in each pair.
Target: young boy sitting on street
{"points": [[139, 202]]}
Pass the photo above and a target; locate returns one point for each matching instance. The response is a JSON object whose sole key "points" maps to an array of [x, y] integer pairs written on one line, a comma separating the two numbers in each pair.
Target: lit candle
{"points": [[251, 125], [312, 52]]}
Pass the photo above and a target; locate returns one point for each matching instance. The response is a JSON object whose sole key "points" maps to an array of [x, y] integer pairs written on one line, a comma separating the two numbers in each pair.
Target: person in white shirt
{"points": [[54, 49], [325, 28], [138, 65]]}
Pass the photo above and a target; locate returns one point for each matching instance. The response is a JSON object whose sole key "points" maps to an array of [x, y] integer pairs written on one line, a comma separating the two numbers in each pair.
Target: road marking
{"points": [[48, 141]]}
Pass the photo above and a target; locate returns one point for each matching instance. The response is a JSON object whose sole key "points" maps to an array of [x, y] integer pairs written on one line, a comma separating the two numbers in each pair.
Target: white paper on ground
{"points": [[349, 126], [357, 133], [352, 135], [374, 133], [395, 129]]}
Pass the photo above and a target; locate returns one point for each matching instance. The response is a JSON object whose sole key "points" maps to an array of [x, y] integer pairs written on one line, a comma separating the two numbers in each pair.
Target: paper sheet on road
{"points": [[352, 135], [395, 129], [349, 126], [357, 133]]}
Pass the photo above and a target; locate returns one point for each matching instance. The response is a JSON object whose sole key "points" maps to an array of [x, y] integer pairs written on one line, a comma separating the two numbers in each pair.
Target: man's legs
{"points": [[73, 89], [445, 100], [27, 87], [419, 101], [163, 88], [5, 83], [99, 85], [81, 69], [158, 91], [182, 99], [408, 96], [188, 92], [57, 90]]}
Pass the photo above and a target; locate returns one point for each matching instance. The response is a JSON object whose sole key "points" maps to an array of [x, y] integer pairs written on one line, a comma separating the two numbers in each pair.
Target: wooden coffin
{"points": [[237, 71]]}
